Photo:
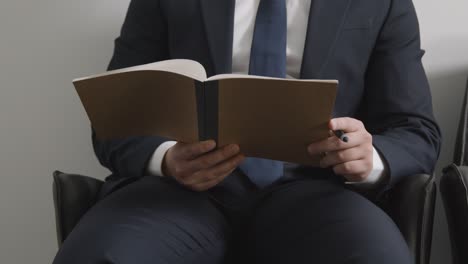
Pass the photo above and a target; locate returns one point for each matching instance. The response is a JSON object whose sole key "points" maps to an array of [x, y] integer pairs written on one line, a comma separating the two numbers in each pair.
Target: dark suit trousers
{"points": [[300, 219]]}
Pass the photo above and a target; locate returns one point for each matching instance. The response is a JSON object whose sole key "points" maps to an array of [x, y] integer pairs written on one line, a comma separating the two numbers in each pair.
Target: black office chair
{"points": [[454, 189], [410, 204]]}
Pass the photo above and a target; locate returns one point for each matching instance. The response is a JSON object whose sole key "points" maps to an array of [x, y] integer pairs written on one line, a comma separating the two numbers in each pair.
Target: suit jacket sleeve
{"points": [[143, 39], [398, 104]]}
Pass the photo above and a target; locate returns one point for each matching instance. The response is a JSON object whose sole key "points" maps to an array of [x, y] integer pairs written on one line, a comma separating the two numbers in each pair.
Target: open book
{"points": [[268, 117]]}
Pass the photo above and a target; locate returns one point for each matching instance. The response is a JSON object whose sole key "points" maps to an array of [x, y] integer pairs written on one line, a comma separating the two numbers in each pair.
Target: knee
{"points": [[141, 225], [337, 226], [379, 254], [156, 240]]}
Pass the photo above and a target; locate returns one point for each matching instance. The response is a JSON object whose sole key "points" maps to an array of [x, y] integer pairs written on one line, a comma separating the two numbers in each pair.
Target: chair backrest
{"points": [[460, 156], [73, 196], [411, 204], [454, 190]]}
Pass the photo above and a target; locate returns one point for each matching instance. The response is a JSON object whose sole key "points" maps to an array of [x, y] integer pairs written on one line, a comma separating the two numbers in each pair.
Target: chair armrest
{"points": [[73, 196], [454, 189], [411, 205]]}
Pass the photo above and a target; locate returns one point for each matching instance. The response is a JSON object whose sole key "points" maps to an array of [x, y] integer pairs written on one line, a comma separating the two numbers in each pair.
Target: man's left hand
{"points": [[352, 159]]}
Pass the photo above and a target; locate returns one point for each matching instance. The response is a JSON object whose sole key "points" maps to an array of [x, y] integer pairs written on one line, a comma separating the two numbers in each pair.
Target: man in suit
{"points": [[175, 202]]}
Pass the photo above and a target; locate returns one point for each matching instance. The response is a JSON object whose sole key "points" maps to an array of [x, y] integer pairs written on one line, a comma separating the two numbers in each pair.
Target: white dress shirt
{"points": [[244, 24]]}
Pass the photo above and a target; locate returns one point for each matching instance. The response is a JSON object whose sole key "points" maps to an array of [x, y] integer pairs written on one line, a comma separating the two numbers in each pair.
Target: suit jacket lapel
{"points": [[325, 21], [218, 17]]}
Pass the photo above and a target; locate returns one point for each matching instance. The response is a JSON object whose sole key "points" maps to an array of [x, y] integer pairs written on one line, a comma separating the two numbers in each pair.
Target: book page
{"points": [[189, 68], [246, 76]]}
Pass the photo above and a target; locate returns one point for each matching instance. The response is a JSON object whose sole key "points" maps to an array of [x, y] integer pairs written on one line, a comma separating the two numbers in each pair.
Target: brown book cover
{"points": [[268, 117]]}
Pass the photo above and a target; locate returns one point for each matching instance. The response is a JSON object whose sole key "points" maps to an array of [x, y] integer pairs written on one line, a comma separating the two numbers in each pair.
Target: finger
{"points": [[217, 171], [211, 159], [346, 124], [227, 166], [331, 144], [355, 167], [193, 150], [342, 156], [200, 187], [356, 177]]}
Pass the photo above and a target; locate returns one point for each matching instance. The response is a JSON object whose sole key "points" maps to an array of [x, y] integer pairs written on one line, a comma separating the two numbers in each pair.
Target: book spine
{"points": [[211, 110], [200, 96]]}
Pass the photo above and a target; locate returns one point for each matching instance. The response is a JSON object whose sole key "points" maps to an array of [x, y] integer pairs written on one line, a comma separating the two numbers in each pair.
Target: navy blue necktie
{"points": [[267, 58]]}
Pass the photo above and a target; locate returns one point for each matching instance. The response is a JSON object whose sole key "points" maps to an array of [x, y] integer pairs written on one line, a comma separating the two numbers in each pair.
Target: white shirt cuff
{"points": [[155, 163], [378, 171]]}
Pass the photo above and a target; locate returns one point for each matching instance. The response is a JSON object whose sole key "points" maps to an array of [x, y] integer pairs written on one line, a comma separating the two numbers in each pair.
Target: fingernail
{"points": [[235, 148], [210, 143]]}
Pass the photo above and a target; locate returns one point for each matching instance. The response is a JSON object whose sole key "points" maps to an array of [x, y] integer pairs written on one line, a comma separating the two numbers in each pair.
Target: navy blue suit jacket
{"points": [[371, 47]]}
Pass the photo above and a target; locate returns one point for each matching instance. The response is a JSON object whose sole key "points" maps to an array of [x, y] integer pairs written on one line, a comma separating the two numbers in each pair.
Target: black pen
{"points": [[341, 135]]}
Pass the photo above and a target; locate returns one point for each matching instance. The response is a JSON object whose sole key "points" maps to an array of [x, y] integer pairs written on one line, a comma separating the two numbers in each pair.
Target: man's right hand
{"points": [[194, 165]]}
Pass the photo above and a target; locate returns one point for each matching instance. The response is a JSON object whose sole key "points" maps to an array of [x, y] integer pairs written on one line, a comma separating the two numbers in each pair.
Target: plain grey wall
{"points": [[45, 44], [445, 38]]}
